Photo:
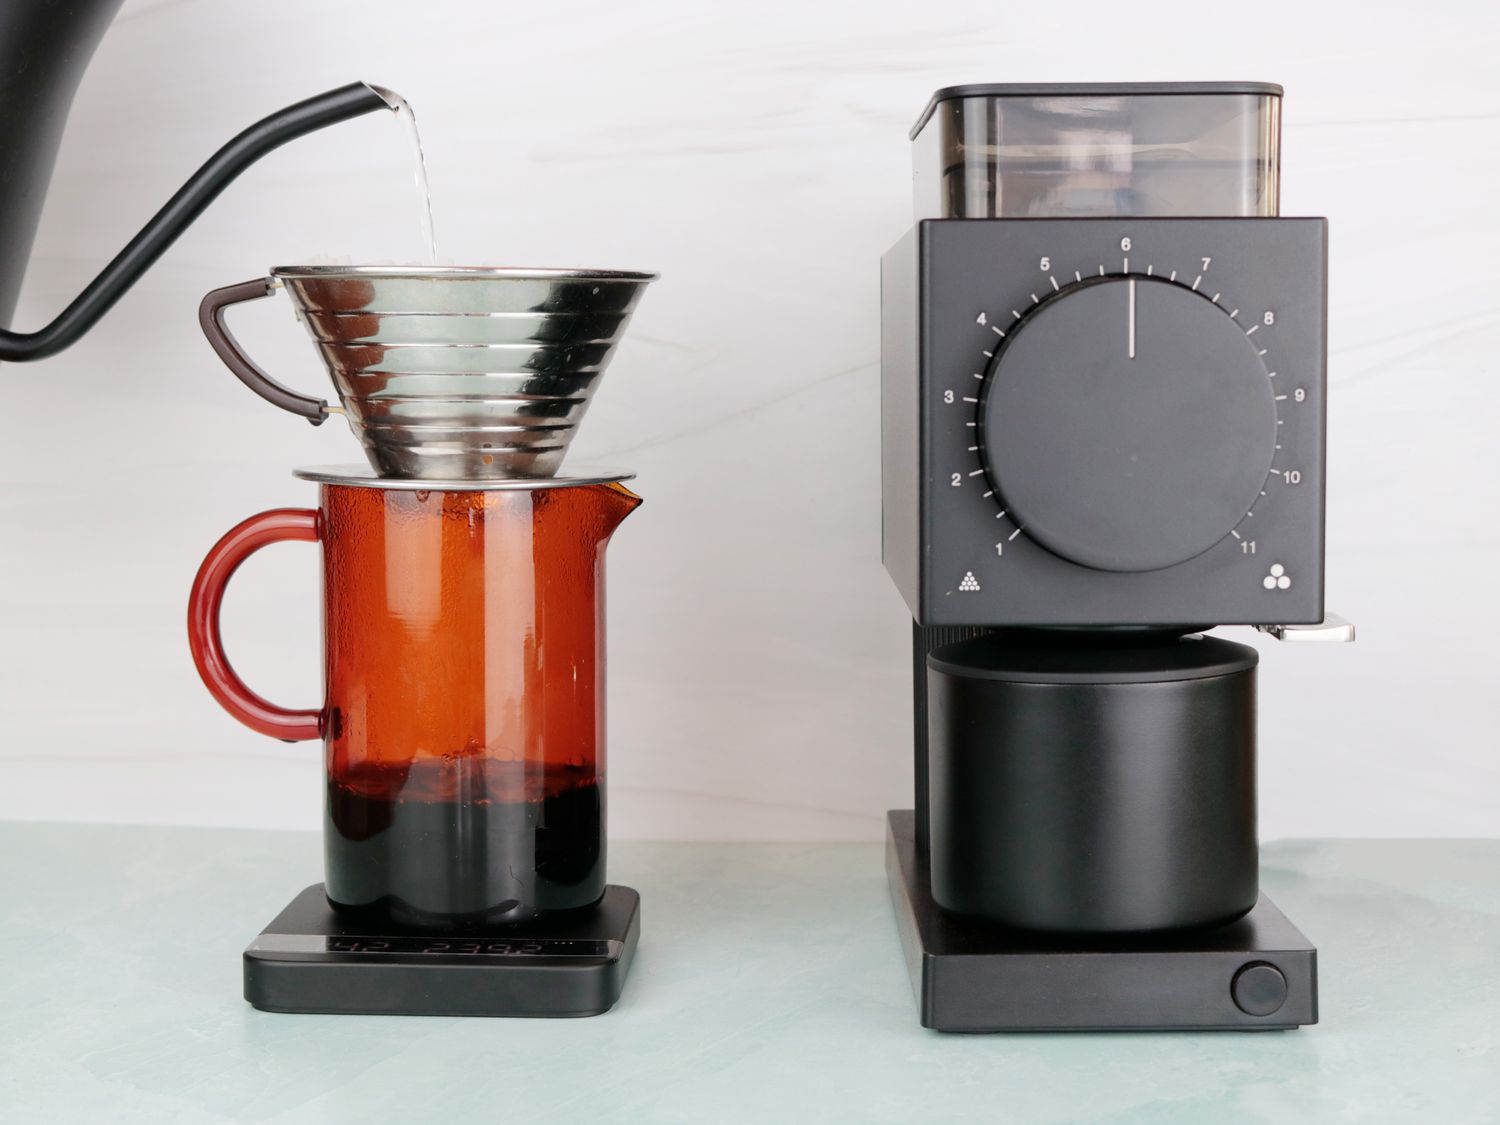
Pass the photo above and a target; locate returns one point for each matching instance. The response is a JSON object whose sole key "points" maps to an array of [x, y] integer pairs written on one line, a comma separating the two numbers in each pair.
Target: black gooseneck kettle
{"points": [[44, 47]]}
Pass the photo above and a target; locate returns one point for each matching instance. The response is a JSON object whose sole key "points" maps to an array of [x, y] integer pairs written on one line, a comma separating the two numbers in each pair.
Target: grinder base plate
{"points": [[1257, 973]]}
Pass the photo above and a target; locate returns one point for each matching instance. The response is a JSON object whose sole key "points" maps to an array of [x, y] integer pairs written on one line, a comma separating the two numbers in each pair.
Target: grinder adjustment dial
{"points": [[1127, 423]]}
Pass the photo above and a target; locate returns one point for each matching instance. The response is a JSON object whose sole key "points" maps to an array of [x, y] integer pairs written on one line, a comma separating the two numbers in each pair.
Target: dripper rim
{"points": [[362, 476], [522, 273]]}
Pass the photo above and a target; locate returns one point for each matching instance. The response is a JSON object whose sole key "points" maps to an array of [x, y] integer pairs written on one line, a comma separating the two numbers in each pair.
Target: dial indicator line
{"points": [[1127, 266], [990, 493], [1034, 301], [1196, 280], [1015, 314], [1216, 298], [1252, 330], [973, 449], [1014, 533], [1236, 534], [1054, 282], [976, 472], [1131, 335], [1173, 277], [1234, 314], [967, 399], [1149, 269], [1077, 276], [990, 354], [997, 332]]}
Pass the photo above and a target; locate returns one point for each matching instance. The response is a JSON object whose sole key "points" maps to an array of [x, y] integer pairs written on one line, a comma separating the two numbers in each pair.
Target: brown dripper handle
{"points": [[211, 320]]}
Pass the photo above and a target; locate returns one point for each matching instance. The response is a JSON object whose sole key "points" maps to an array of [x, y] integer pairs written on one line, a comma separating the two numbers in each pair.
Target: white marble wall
{"points": [[755, 154]]}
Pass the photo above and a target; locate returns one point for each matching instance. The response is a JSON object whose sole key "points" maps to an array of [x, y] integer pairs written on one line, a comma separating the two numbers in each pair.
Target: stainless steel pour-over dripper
{"points": [[447, 373]]}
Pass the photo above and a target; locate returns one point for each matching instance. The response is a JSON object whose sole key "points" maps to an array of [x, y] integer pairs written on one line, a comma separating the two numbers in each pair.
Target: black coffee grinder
{"points": [[1102, 365]]}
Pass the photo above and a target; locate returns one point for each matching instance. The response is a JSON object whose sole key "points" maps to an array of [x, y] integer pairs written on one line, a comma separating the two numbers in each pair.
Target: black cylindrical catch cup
{"points": [[1093, 789]]}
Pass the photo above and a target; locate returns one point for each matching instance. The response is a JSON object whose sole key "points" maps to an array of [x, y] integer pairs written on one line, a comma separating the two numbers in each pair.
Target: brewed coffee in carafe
{"points": [[463, 722], [465, 740]]}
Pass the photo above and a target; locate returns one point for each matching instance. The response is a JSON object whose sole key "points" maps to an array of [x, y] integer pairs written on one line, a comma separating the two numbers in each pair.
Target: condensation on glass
{"points": [[1179, 150]]}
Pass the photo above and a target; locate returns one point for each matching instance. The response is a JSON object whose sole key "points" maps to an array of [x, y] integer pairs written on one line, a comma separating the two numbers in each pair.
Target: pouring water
{"points": [[407, 116]]}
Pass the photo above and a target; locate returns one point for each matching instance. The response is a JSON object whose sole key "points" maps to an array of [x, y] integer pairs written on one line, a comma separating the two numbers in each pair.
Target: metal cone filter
{"points": [[464, 373]]}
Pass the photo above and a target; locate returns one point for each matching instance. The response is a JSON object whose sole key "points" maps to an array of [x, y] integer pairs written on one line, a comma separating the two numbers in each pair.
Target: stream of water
{"points": [[424, 195]]}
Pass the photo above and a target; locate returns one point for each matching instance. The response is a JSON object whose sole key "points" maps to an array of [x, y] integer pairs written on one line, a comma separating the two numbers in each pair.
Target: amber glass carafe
{"points": [[463, 720]]}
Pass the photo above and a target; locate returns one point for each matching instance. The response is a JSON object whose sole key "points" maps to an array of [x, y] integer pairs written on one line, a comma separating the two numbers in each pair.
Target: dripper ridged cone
{"points": [[459, 372]]}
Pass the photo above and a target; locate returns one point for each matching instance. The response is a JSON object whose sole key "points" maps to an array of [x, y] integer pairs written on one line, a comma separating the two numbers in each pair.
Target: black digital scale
{"points": [[569, 963]]}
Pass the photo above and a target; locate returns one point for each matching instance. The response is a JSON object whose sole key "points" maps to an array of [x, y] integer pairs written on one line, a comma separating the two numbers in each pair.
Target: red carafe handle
{"points": [[279, 525]]}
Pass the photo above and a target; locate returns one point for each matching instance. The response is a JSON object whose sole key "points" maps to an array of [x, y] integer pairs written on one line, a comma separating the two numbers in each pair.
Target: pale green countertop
{"points": [[769, 986]]}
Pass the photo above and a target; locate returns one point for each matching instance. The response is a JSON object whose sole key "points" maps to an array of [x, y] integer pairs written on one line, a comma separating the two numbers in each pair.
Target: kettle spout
{"points": [[393, 101], [202, 189]]}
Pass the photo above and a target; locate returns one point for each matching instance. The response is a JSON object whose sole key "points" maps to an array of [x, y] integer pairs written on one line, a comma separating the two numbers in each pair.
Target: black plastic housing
{"points": [[956, 559]]}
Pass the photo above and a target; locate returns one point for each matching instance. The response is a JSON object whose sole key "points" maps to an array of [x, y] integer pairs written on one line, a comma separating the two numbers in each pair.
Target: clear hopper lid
{"points": [[1083, 150]]}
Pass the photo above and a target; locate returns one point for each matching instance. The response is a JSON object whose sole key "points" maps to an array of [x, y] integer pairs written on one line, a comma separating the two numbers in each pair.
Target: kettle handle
{"points": [[211, 320], [262, 716]]}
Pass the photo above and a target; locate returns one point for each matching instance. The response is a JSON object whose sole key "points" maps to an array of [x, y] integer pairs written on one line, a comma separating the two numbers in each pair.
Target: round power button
{"points": [[1258, 988]]}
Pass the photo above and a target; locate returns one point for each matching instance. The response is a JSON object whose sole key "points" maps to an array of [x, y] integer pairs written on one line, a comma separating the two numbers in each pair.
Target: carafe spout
{"points": [[617, 502]]}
